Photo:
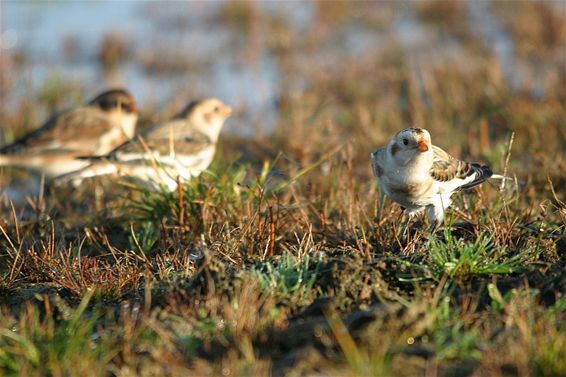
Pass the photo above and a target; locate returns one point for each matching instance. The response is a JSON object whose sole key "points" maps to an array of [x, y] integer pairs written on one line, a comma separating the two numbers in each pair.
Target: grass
{"points": [[35, 344], [462, 260], [279, 260], [289, 277]]}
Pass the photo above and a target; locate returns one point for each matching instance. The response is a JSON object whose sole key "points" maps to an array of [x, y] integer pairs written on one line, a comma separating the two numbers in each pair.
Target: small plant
{"points": [[155, 205], [143, 237], [205, 328], [438, 321], [49, 345], [288, 276], [461, 259], [452, 338], [184, 204], [361, 360]]}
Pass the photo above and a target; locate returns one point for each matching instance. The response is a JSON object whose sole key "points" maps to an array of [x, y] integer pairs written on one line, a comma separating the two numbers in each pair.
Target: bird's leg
{"points": [[381, 203], [405, 223], [98, 195], [435, 217], [40, 203], [434, 226], [410, 234]]}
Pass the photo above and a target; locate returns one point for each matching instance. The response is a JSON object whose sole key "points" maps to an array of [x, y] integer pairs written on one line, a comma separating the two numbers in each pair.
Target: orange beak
{"points": [[227, 111], [422, 146]]}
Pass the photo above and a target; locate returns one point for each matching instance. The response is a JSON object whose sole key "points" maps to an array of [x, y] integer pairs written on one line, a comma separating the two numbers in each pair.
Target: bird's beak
{"points": [[422, 146], [227, 111]]}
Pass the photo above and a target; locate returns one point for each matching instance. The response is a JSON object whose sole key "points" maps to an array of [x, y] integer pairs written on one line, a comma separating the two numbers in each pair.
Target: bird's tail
{"points": [[482, 172]]}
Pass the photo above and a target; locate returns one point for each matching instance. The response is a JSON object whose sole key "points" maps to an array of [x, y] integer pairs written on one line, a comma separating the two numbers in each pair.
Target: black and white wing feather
{"points": [[457, 173]]}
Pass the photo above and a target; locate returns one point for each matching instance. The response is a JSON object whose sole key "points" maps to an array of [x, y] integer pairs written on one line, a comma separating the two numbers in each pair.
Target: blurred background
{"points": [[470, 71]]}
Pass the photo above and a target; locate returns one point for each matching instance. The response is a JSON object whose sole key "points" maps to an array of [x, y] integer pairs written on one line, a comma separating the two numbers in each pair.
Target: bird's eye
{"points": [[216, 109], [405, 141]]}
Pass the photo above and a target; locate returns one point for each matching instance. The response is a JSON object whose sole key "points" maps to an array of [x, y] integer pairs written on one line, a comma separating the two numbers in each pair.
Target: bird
{"points": [[419, 176], [157, 157], [94, 128]]}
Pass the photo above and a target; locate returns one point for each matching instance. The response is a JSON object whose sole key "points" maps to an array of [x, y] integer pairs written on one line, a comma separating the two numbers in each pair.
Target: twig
{"points": [[181, 203], [502, 187]]}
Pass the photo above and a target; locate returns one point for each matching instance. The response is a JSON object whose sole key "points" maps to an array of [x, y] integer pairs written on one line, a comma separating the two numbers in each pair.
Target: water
{"points": [[493, 35], [215, 60], [40, 29]]}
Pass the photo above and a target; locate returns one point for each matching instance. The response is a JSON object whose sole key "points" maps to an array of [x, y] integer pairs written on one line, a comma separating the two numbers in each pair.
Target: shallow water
{"points": [[192, 30]]}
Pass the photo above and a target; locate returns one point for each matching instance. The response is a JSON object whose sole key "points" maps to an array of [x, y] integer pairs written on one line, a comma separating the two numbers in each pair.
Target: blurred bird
{"points": [[92, 129], [180, 148], [418, 175]]}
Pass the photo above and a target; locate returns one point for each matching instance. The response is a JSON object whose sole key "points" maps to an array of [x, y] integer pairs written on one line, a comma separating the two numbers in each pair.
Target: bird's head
{"points": [[410, 143], [120, 106], [207, 116], [115, 99]]}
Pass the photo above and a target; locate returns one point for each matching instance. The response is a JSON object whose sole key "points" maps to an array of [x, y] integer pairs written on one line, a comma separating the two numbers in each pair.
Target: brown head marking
{"points": [[115, 99], [417, 130]]}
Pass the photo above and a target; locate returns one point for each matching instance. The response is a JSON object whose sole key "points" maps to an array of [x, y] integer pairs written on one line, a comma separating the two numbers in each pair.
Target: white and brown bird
{"points": [[92, 129], [420, 176], [157, 157]]}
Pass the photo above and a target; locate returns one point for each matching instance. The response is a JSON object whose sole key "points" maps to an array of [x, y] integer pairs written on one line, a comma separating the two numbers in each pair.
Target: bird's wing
{"points": [[161, 140], [377, 161], [78, 129], [456, 173]]}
